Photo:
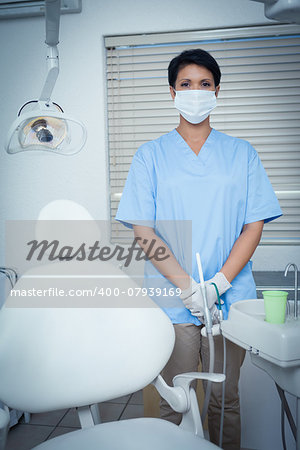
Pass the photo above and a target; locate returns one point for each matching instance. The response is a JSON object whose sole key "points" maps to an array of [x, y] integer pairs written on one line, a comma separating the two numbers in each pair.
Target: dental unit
{"points": [[273, 348]]}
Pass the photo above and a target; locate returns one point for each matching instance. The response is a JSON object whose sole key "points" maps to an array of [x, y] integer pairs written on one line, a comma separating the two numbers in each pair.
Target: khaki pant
{"points": [[189, 346]]}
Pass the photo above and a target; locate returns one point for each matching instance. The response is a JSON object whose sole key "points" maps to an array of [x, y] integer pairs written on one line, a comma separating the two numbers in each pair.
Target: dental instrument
{"points": [[212, 330], [42, 124], [208, 325], [207, 316]]}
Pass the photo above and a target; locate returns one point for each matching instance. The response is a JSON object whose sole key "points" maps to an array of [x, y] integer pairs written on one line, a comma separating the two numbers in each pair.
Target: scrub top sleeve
{"points": [[262, 203], [137, 204]]}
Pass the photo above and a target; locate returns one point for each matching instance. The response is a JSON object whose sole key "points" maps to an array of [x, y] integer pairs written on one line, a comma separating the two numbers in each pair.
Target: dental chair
{"points": [[57, 355]]}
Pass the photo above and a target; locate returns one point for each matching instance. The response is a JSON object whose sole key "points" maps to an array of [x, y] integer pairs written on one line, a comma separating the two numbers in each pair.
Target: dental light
{"points": [[42, 124]]}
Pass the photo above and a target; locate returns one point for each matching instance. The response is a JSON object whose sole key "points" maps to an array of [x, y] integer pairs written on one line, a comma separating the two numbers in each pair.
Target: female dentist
{"points": [[196, 189]]}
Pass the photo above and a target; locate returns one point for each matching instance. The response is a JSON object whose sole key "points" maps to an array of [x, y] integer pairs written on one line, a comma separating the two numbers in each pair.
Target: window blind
{"points": [[259, 101]]}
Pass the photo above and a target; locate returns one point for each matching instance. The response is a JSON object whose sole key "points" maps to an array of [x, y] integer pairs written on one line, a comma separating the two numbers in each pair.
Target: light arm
{"points": [[52, 31], [52, 11]]}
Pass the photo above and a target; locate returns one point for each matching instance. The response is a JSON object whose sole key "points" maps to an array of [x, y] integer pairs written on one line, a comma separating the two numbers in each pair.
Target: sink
{"points": [[273, 347]]}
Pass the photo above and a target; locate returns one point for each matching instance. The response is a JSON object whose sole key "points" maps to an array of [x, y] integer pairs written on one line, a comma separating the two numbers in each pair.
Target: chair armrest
{"points": [[185, 379], [175, 396], [4, 425], [178, 396], [182, 397]]}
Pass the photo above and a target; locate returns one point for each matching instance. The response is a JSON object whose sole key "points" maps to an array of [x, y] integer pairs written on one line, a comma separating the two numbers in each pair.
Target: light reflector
{"points": [[52, 131]]}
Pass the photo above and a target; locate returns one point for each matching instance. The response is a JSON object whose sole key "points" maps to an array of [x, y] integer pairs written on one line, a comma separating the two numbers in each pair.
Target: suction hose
{"points": [[223, 395], [211, 347]]}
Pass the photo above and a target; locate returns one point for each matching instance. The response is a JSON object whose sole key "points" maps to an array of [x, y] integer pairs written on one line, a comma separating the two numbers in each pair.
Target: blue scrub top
{"points": [[197, 203]]}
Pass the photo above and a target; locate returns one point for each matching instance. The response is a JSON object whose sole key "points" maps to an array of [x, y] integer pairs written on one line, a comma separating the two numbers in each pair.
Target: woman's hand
{"points": [[192, 297]]}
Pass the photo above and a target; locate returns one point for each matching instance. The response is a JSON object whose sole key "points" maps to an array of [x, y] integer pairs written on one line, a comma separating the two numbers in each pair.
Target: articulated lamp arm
{"points": [[52, 12]]}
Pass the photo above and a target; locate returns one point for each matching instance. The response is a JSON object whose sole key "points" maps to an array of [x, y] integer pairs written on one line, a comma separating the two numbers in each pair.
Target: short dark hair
{"points": [[196, 56]]}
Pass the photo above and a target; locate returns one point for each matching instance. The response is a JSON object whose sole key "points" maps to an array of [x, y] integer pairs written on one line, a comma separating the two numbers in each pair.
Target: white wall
{"points": [[29, 181]]}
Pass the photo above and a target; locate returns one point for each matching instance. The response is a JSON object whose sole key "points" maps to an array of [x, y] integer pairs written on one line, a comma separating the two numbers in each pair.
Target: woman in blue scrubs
{"points": [[196, 189]]}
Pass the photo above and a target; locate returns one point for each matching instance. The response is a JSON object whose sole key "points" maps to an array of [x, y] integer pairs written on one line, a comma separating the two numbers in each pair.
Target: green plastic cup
{"points": [[275, 306]]}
